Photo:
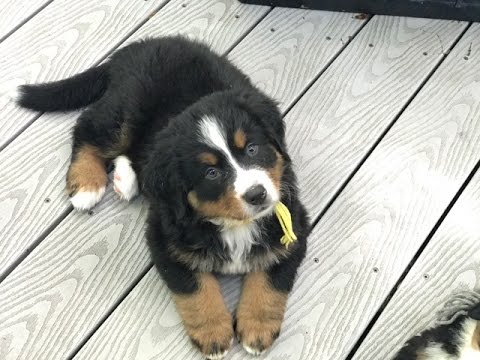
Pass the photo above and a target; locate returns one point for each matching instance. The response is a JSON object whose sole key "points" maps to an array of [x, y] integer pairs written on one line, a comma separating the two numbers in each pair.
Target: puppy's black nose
{"points": [[256, 195]]}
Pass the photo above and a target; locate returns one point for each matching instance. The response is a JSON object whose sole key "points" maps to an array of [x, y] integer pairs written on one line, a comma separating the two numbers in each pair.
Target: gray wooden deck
{"points": [[383, 118]]}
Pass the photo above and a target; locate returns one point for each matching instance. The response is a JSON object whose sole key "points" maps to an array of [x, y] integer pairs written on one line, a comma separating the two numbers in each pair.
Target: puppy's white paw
{"points": [[217, 356], [125, 181], [85, 200], [252, 351]]}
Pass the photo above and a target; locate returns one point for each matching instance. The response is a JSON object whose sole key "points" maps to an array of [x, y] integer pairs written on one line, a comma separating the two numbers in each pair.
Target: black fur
{"points": [[70, 94]]}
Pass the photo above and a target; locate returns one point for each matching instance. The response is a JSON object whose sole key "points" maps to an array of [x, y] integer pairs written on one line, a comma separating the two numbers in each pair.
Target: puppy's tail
{"points": [[69, 94]]}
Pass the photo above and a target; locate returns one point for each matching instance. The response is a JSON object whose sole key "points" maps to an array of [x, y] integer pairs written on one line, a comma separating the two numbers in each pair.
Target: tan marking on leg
{"points": [[228, 206], [276, 172], [87, 171], [240, 139], [208, 158], [260, 313], [205, 316]]}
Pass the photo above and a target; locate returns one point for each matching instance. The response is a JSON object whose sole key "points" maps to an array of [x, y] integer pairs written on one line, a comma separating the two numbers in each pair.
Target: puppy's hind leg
{"points": [[86, 177], [93, 136]]}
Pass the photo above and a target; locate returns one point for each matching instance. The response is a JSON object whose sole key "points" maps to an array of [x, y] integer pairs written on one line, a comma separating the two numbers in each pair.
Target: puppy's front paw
{"points": [[257, 334], [259, 313], [206, 318], [214, 338]]}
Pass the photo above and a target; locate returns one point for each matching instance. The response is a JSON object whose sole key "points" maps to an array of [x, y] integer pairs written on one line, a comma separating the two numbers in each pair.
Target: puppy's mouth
{"points": [[258, 211]]}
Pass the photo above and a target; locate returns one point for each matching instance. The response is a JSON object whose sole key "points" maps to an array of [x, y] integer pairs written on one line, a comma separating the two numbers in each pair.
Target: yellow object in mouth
{"points": [[285, 220]]}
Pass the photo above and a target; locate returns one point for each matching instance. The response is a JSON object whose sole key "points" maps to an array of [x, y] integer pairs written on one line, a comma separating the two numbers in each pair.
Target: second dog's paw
{"points": [[125, 181]]}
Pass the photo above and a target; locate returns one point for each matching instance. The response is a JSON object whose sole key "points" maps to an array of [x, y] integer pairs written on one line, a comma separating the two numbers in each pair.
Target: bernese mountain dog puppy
{"points": [[209, 152]]}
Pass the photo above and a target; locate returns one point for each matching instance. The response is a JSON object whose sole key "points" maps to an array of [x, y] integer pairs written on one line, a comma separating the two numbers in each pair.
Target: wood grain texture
{"points": [[385, 213], [34, 165], [450, 263], [45, 303], [65, 38], [14, 13], [335, 124], [290, 47], [33, 185], [306, 329], [219, 23]]}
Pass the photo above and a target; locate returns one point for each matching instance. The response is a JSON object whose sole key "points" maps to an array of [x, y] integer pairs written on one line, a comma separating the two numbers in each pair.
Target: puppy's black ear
{"points": [[161, 179], [265, 111]]}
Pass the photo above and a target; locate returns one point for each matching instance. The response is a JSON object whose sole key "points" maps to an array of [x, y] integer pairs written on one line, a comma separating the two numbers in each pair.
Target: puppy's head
{"points": [[224, 158]]}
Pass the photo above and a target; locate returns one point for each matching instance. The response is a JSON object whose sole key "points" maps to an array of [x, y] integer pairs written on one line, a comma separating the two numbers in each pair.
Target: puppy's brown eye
{"points": [[212, 174], [252, 149]]}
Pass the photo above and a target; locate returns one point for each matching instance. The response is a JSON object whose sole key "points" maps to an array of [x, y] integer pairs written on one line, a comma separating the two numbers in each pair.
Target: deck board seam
{"points": [[325, 68], [241, 38], [24, 21], [110, 311], [57, 221]]}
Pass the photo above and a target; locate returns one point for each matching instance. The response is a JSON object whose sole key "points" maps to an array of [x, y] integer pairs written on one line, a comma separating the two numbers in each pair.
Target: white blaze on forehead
{"points": [[214, 136]]}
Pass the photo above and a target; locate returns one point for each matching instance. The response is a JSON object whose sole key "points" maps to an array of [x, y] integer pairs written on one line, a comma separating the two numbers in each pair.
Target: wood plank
{"points": [[34, 165], [290, 47], [66, 37], [334, 125], [44, 304], [450, 263], [14, 13], [206, 20], [303, 334], [371, 232], [48, 302]]}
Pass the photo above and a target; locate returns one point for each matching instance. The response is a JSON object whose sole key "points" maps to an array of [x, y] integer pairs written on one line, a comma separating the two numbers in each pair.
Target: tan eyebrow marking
{"points": [[208, 158], [240, 139]]}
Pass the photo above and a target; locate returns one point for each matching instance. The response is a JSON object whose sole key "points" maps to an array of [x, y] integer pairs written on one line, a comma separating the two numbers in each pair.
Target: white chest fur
{"points": [[239, 240]]}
